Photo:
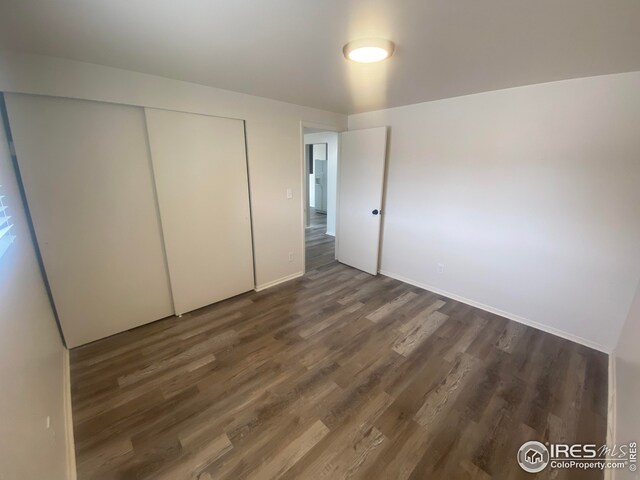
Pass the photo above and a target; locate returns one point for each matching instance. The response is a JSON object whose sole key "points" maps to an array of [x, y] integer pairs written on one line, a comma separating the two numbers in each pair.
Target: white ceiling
{"points": [[291, 49]]}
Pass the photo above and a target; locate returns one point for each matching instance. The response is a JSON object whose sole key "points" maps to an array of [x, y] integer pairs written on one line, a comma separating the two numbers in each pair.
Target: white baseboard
{"points": [[264, 286], [68, 417], [510, 316], [610, 473]]}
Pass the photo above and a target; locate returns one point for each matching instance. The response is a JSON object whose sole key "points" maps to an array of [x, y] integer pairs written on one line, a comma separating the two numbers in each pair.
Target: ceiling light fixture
{"points": [[368, 50]]}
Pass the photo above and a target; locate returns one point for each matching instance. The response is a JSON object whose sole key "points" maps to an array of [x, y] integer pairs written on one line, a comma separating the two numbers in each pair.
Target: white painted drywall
{"points": [[627, 383], [331, 139], [31, 355], [90, 190], [290, 49], [274, 146], [628, 348], [529, 198]]}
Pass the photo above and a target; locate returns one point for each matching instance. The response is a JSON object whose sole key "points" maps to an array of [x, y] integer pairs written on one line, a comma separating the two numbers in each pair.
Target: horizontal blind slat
{"points": [[4, 231], [6, 238], [5, 242]]}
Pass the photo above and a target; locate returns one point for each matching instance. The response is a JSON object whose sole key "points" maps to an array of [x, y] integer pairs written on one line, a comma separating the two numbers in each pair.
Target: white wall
{"points": [[628, 348], [274, 146], [627, 383], [331, 139], [529, 198], [31, 355]]}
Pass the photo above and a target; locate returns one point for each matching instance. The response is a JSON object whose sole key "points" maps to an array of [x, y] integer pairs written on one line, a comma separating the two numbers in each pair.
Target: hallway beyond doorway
{"points": [[320, 247]]}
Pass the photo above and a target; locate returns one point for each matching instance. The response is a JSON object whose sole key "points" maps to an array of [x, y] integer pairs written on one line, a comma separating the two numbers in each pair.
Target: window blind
{"points": [[6, 238]]}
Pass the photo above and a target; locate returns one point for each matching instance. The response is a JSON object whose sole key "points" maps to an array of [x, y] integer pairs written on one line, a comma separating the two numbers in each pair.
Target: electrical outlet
{"points": [[290, 256], [441, 268], [289, 194]]}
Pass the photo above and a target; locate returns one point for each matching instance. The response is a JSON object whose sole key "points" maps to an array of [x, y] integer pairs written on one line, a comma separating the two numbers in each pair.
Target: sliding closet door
{"points": [[201, 179], [89, 186]]}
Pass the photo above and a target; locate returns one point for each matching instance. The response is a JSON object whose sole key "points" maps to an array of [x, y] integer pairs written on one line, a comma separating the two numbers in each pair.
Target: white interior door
{"points": [[200, 170], [87, 175], [361, 181]]}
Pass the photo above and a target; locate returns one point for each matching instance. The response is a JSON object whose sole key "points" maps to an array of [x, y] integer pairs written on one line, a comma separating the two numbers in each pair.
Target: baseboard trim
{"points": [[264, 286], [610, 473], [502, 313], [68, 417]]}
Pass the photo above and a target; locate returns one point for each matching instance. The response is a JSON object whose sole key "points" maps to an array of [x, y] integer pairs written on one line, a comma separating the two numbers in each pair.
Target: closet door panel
{"points": [[200, 170], [89, 185]]}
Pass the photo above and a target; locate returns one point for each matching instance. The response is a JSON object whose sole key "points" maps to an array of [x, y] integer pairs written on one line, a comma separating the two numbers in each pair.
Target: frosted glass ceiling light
{"points": [[368, 50]]}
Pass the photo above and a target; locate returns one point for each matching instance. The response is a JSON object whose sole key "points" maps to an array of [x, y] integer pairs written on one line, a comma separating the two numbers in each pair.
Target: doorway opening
{"points": [[321, 180]]}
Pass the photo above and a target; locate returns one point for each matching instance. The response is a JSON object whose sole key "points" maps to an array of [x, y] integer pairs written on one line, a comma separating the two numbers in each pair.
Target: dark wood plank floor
{"points": [[320, 247], [334, 375]]}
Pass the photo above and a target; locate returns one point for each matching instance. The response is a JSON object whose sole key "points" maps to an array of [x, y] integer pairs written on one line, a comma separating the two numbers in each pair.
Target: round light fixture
{"points": [[368, 50]]}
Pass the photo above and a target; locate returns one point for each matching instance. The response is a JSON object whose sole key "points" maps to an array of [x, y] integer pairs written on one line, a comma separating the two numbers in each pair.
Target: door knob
{"points": [[375, 212]]}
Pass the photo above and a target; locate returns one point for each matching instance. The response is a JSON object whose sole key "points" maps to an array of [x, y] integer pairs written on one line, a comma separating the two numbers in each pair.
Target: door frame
{"points": [[304, 177]]}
